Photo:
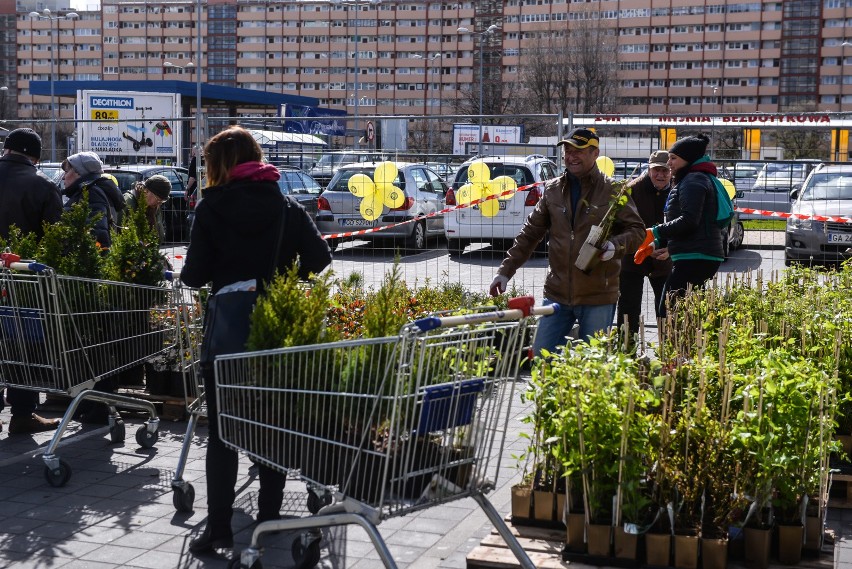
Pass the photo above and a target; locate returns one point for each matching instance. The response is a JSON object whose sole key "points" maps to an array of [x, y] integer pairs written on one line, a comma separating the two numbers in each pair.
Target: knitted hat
{"points": [[159, 186], [690, 148], [659, 159], [25, 141], [85, 163]]}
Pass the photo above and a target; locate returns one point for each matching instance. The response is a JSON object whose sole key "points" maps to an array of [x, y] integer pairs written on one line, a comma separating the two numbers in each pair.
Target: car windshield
{"points": [[828, 187], [779, 170], [341, 181], [298, 183], [126, 180]]}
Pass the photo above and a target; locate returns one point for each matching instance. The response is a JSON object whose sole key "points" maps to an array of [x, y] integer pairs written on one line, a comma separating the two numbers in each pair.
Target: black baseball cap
{"points": [[580, 138]]}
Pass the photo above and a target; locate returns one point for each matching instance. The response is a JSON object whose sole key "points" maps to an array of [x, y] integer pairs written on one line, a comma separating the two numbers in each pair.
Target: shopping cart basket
{"points": [[61, 334], [380, 427], [189, 319]]}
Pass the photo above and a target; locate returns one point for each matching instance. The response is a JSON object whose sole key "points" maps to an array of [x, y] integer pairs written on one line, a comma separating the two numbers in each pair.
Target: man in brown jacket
{"points": [[569, 207]]}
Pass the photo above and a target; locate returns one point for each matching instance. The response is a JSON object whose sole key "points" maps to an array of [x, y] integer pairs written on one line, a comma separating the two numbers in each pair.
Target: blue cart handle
{"points": [[31, 266]]}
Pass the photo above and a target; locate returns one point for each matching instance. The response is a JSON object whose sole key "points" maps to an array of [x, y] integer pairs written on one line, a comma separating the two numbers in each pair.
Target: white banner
{"points": [[465, 133]]}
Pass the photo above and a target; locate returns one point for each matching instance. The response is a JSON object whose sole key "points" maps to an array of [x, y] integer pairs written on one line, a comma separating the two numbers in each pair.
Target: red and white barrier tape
{"points": [[785, 215]]}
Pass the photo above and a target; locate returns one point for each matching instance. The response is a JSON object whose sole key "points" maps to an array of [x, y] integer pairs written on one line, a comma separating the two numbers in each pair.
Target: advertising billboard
{"points": [[467, 134], [301, 119], [127, 126]]}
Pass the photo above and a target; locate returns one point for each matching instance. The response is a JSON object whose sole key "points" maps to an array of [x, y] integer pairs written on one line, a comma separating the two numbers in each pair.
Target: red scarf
{"points": [[255, 172]]}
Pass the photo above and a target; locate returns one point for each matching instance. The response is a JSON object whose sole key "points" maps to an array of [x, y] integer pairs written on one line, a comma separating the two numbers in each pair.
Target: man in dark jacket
{"points": [[85, 171], [649, 193], [27, 200]]}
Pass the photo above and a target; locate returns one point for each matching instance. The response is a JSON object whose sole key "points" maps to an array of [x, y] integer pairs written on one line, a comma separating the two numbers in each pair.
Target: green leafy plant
{"points": [[68, 245], [134, 256]]}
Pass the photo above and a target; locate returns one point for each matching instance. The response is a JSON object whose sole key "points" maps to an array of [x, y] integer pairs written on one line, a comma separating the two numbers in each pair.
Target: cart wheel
{"points": [[58, 477], [116, 432], [146, 438], [306, 556], [236, 564], [316, 502], [183, 499]]}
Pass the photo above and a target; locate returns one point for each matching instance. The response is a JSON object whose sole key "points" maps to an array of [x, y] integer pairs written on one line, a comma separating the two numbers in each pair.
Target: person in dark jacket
{"points": [[649, 192], [85, 171], [233, 239], [157, 190], [690, 231], [28, 199]]}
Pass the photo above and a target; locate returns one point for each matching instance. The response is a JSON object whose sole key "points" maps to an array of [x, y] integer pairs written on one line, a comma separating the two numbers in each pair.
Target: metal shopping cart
{"points": [[61, 335], [189, 321], [381, 427]]}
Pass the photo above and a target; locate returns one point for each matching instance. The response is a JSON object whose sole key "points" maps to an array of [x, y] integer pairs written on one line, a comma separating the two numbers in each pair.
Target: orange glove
{"points": [[645, 249]]}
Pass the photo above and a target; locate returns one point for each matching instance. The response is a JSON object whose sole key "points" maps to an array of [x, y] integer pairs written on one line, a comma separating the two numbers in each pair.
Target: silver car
{"points": [[827, 191], [409, 225]]}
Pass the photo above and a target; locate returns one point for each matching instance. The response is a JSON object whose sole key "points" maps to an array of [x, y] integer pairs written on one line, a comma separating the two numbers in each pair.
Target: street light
{"points": [[491, 29], [843, 47], [429, 61], [356, 4], [4, 90], [47, 15]]}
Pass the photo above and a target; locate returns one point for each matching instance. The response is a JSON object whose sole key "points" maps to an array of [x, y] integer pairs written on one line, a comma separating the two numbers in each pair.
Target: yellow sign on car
{"points": [[104, 115]]}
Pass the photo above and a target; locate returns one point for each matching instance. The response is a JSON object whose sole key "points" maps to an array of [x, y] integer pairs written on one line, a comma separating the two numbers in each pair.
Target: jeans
{"points": [[693, 272], [221, 467], [553, 330], [631, 288]]}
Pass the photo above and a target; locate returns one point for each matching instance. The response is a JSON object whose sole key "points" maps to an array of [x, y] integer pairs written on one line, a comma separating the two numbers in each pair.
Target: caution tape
{"points": [[433, 214], [799, 216]]}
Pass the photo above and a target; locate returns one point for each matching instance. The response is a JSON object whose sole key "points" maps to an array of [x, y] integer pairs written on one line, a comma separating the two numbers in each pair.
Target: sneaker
{"points": [[32, 424]]}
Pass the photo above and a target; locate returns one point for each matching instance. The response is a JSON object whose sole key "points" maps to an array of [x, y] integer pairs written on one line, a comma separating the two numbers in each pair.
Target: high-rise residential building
{"points": [[402, 57]]}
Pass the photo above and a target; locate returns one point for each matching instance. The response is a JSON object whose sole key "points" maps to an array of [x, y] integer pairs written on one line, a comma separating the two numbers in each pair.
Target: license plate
{"points": [[502, 205], [840, 237], [356, 223]]}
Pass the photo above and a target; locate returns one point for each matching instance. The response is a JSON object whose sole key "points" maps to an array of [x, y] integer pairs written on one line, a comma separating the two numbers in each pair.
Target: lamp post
{"points": [[48, 15], [3, 90], [429, 61], [356, 4], [189, 66], [843, 47], [490, 30]]}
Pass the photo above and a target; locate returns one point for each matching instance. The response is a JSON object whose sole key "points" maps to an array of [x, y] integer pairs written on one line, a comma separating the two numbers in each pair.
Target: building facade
{"points": [[400, 57]]}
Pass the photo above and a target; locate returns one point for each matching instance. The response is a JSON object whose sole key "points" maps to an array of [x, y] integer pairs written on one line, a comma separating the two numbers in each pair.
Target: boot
{"points": [[210, 540]]}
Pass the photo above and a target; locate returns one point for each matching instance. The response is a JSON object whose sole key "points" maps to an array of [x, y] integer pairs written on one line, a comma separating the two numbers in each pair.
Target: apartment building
{"points": [[402, 57]]}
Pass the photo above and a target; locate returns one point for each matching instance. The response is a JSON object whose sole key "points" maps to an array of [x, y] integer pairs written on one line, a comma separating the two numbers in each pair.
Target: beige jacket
{"points": [[552, 218]]}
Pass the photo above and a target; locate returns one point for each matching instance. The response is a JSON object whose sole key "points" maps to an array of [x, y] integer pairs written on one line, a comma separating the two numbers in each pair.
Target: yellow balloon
{"points": [[606, 165], [361, 185], [478, 173], [468, 193], [502, 185], [391, 196], [729, 187], [489, 208], [370, 208], [385, 173]]}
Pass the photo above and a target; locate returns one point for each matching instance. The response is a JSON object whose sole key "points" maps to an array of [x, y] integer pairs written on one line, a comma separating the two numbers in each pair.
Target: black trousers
{"points": [[631, 287], [23, 402], [221, 469], [687, 272]]}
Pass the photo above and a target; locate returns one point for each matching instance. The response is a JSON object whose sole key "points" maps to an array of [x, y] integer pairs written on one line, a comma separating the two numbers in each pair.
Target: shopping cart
{"points": [[189, 319], [61, 334], [381, 427]]}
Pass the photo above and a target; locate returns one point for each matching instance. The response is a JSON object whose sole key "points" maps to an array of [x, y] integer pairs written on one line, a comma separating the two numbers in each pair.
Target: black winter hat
{"points": [[690, 148], [25, 141]]}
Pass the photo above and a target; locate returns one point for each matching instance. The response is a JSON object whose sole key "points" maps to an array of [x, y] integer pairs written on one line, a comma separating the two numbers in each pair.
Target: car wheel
{"points": [[417, 240], [736, 241]]}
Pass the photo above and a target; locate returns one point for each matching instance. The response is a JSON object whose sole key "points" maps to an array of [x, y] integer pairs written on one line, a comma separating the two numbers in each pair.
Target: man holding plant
{"points": [[572, 205]]}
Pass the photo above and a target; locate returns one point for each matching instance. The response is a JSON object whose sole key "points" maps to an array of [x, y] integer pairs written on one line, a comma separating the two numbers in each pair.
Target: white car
{"points": [[467, 225]]}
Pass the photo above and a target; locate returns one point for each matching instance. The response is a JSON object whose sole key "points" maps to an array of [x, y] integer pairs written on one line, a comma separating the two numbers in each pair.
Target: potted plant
{"points": [[591, 249]]}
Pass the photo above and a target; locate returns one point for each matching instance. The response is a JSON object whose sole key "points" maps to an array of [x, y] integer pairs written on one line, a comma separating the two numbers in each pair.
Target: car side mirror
{"points": [[794, 193]]}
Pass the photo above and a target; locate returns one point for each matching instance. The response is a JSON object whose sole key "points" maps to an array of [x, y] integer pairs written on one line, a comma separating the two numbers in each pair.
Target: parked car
{"points": [[52, 170], [467, 225], [826, 191], [772, 186], [338, 209], [175, 209], [301, 186], [446, 171], [325, 168], [745, 174]]}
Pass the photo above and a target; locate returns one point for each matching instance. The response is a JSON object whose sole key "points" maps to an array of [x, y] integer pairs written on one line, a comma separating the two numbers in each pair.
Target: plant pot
{"points": [[521, 501], [176, 387], [790, 539], [589, 254], [813, 533], [543, 505], [560, 507], [757, 545], [575, 539], [686, 551], [714, 553], [626, 544], [599, 539], [156, 380], [736, 543], [658, 549], [132, 377]]}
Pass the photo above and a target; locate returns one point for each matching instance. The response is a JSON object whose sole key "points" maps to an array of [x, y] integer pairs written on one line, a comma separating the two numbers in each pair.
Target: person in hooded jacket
{"points": [[233, 239], [85, 171], [690, 231]]}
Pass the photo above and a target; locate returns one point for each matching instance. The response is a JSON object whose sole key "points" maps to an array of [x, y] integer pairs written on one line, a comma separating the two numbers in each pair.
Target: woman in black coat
{"points": [[233, 239]]}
